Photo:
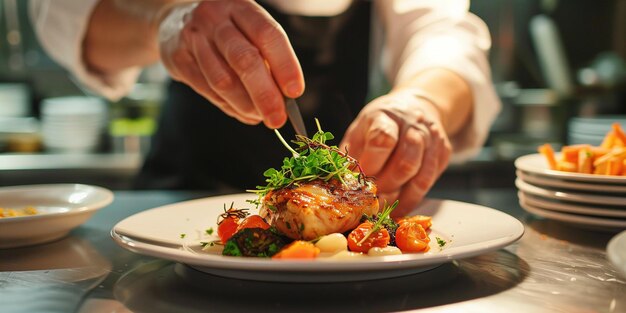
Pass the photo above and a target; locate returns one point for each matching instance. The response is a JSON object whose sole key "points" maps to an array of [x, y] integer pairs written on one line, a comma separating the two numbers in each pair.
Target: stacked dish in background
{"points": [[591, 130], [72, 124], [592, 201]]}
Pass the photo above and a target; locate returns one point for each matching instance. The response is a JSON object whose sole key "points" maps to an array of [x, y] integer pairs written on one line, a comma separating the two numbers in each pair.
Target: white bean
{"points": [[388, 250], [332, 243], [347, 255]]}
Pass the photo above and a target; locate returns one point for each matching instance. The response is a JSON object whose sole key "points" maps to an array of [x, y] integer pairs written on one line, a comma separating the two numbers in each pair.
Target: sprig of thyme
{"points": [[311, 159], [381, 219]]}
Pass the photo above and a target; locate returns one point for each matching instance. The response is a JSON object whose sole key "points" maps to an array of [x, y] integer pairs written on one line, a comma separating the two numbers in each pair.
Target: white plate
{"points": [[469, 229], [571, 208], [60, 207], [574, 185], [597, 223], [618, 202], [537, 164], [616, 252]]}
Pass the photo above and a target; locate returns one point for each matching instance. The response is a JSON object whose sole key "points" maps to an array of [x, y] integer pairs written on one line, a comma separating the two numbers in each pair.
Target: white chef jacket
{"points": [[408, 36]]}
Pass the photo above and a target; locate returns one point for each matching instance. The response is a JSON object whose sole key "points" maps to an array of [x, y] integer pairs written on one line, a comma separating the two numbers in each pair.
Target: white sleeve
{"points": [[422, 34], [60, 26]]}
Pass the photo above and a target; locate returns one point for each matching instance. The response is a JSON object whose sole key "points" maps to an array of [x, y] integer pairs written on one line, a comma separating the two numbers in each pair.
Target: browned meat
{"points": [[318, 208]]}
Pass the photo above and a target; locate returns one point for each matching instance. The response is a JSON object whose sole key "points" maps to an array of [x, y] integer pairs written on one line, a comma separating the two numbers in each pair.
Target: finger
{"points": [[407, 158], [416, 189], [351, 141], [266, 34], [192, 77], [222, 80], [246, 61], [381, 138]]}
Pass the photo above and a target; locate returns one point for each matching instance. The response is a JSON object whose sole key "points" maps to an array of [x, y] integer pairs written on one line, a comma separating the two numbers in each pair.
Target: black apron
{"points": [[197, 147]]}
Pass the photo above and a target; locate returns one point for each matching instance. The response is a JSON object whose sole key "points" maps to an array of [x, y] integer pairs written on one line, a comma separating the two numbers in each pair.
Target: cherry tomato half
{"points": [[379, 238], [253, 221], [411, 237]]}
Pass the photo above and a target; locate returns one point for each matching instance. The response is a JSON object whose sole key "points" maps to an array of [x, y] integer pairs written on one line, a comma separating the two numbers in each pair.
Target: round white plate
{"points": [[539, 180], [60, 207], [570, 208], [469, 230], [537, 164], [599, 223], [616, 252], [618, 202]]}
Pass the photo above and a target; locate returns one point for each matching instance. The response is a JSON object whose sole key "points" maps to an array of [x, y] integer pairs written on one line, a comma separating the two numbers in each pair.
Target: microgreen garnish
{"points": [[209, 231], [381, 219], [311, 159], [440, 242], [230, 212]]}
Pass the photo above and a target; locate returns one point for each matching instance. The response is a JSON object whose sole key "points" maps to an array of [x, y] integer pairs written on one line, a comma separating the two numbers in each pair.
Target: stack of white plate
{"points": [[592, 130], [72, 124], [592, 201]]}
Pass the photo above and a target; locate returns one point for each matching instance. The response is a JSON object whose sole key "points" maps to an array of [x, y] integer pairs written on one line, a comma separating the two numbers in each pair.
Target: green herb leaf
{"points": [[209, 231], [440, 242], [381, 219], [311, 159], [182, 236]]}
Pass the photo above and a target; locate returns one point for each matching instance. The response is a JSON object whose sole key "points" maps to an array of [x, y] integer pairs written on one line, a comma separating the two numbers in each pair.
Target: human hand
{"points": [[236, 55], [399, 139]]}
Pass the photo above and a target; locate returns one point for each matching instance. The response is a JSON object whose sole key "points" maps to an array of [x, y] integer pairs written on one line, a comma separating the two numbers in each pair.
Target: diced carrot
{"points": [[570, 153], [548, 152], [566, 166], [585, 158], [601, 168], [619, 133], [615, 166], [609, 140], [298, 250]]}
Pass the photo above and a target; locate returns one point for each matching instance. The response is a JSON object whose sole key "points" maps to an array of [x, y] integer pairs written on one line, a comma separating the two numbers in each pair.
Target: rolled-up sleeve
{"points": [[60, 26], [423, 34]]}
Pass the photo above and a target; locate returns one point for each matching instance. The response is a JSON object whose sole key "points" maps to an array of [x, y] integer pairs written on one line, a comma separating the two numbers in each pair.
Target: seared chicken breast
{"points": [[312, 209]]}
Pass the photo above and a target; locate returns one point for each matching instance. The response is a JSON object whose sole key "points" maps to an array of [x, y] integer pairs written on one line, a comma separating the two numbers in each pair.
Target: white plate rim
{"points": [[560, 183], [175, 253], [615, 255], [108, 198], [573, 218], [570, 196], [569, 208], [536, 164]]}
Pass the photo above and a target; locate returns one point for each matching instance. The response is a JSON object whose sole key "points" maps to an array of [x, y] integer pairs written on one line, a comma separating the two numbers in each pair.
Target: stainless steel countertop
{"points": [[553, 268]]}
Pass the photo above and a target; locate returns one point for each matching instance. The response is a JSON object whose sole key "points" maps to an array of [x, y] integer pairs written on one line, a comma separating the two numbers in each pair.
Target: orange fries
{"points": [[607, 159]]}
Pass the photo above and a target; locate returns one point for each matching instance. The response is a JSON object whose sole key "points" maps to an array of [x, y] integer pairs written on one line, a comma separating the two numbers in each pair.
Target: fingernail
{"points": [[293, 89]]}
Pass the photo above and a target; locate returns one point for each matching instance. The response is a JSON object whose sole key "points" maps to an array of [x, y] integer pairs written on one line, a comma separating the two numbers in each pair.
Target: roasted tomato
{"points": [[411, 237], [227, 228], [379, 238], [425, 221], [253, 221]]}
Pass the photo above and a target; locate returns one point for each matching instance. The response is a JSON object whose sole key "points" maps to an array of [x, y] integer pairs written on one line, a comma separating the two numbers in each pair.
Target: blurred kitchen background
{"points": [[559, 68]]}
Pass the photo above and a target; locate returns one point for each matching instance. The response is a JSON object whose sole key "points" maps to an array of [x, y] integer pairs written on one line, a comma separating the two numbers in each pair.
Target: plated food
{"points": [[607, 159], [318, 203], [7, 212]]}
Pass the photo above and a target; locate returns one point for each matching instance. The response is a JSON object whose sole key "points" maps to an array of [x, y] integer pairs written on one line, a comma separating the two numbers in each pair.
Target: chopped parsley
{"points": [[440, 242], [182, 236], [209, 231]]}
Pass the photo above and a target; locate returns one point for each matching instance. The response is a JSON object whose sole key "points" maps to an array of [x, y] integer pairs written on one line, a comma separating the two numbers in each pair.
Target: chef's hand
{"points": [[236, 55], [399, 139]]}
